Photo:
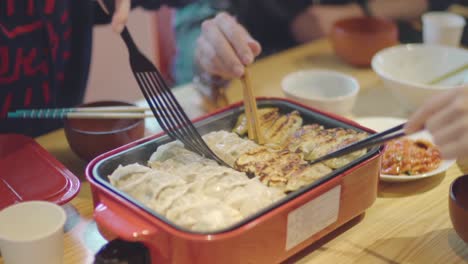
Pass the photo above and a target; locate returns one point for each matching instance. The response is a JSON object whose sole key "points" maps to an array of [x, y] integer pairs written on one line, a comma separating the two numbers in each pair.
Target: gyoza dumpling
{"points": [[202, 213], [167, 196], [125, 175], [157, 181], [213, 217], [173, 155], [306, 176], [212, 180], [227, 145], [252, 197], [166, 151], [224, 181]]}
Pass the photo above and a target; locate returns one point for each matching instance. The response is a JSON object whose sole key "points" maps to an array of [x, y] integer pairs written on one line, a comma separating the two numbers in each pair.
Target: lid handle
{"points": [[128, 227]]}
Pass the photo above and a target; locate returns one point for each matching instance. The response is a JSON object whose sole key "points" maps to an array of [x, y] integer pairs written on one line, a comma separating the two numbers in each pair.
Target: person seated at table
{"points": [[215, 46], [45, 50], [446, 118]]}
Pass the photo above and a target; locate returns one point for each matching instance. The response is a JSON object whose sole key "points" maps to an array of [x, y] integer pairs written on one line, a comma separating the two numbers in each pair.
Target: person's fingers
{"points": [[449, 132], [449, 151], [456, 149], [255, 47], [236, 36], [433, 105], [120, 17], [208, 60], [222, 47], [446, 114]]}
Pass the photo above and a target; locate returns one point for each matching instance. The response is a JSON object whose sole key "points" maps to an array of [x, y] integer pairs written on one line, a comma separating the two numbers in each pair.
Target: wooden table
{"points": [[408, 223]]}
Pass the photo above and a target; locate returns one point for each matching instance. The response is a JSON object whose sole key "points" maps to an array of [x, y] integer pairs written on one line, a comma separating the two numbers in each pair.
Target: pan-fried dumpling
{"points": [[306, 176]]}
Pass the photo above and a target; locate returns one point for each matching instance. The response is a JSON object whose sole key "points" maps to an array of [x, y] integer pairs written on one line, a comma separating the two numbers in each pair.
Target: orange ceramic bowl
{"points": [[458, 206], [357, 40], [89, 138]]}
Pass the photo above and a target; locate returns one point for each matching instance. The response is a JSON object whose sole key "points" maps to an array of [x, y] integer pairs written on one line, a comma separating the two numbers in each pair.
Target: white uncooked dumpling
{"points": [[220, 185], [195, 192], [228, 146], [252, 197], [176, 155], [167, 196], [159, 180], [214, 217], [124, 175], [166, 151], [201, 213]]}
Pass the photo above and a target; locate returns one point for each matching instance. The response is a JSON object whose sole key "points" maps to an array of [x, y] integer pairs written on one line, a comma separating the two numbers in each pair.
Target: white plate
{"points": [[381, 123]]}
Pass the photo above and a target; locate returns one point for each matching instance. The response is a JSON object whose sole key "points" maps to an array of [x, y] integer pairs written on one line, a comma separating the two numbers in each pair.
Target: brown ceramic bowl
{"points": [[458, 206], [89, 138], [357, 40]]}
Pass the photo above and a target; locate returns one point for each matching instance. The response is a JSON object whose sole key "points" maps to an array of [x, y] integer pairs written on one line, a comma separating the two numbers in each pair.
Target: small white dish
{"points": [[382, 123], [326, 90]]}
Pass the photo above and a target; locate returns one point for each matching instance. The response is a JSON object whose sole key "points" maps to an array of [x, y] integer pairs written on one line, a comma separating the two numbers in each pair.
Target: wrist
{"points": [[207, 84], [212, 90]]}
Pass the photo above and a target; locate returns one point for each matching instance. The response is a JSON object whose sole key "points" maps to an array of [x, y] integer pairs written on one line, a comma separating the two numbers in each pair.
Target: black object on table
{"points": [[122, 252]]}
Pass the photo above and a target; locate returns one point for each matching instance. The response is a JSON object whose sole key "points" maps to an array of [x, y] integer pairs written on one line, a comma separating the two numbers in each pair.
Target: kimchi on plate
{"points": [[407, 156]]}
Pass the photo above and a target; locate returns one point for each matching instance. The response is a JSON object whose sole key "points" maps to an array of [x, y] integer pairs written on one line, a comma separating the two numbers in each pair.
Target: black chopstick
{"points": [[374, 140]]}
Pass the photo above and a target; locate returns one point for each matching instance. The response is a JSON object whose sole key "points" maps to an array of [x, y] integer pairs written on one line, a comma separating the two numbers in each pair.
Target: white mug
{"points": [[442, 28], [32, 232]]}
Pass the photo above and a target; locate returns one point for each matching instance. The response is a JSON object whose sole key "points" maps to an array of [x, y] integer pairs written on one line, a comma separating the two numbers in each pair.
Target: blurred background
{"points": [[153, 31]]}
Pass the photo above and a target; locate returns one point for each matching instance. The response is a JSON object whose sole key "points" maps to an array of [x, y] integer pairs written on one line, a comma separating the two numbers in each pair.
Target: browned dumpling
{"points": [[275, 127], [282, 128], [282, 169], [266, 118], [314, 141]]}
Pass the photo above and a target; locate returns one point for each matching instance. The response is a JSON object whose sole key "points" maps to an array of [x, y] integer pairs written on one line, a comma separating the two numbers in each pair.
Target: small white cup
{"points": [[32, 232], [330, 91], [442, 28]]}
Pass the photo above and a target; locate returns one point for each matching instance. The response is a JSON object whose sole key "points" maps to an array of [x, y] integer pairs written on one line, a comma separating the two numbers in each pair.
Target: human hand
{"points": [[317, 20], [446, 118], [224, 47], [120, 16]]}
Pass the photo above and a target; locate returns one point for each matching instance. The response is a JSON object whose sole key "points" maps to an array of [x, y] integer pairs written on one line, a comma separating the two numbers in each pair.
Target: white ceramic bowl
{"points": [[326, 90], [406, 70]]}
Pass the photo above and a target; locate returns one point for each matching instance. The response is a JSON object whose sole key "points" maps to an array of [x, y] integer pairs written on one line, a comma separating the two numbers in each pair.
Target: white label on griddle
{"points": [[312, 217]]}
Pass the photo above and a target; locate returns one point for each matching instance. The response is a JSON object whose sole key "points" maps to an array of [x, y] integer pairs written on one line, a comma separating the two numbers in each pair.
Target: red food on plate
{"points": [[409, 157]]}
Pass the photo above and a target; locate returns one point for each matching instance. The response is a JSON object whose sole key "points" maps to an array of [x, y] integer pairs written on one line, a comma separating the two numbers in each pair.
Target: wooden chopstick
{"points": [[251, 112], [449, 74], [81, 115], [89, 109], [248, 110]]}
